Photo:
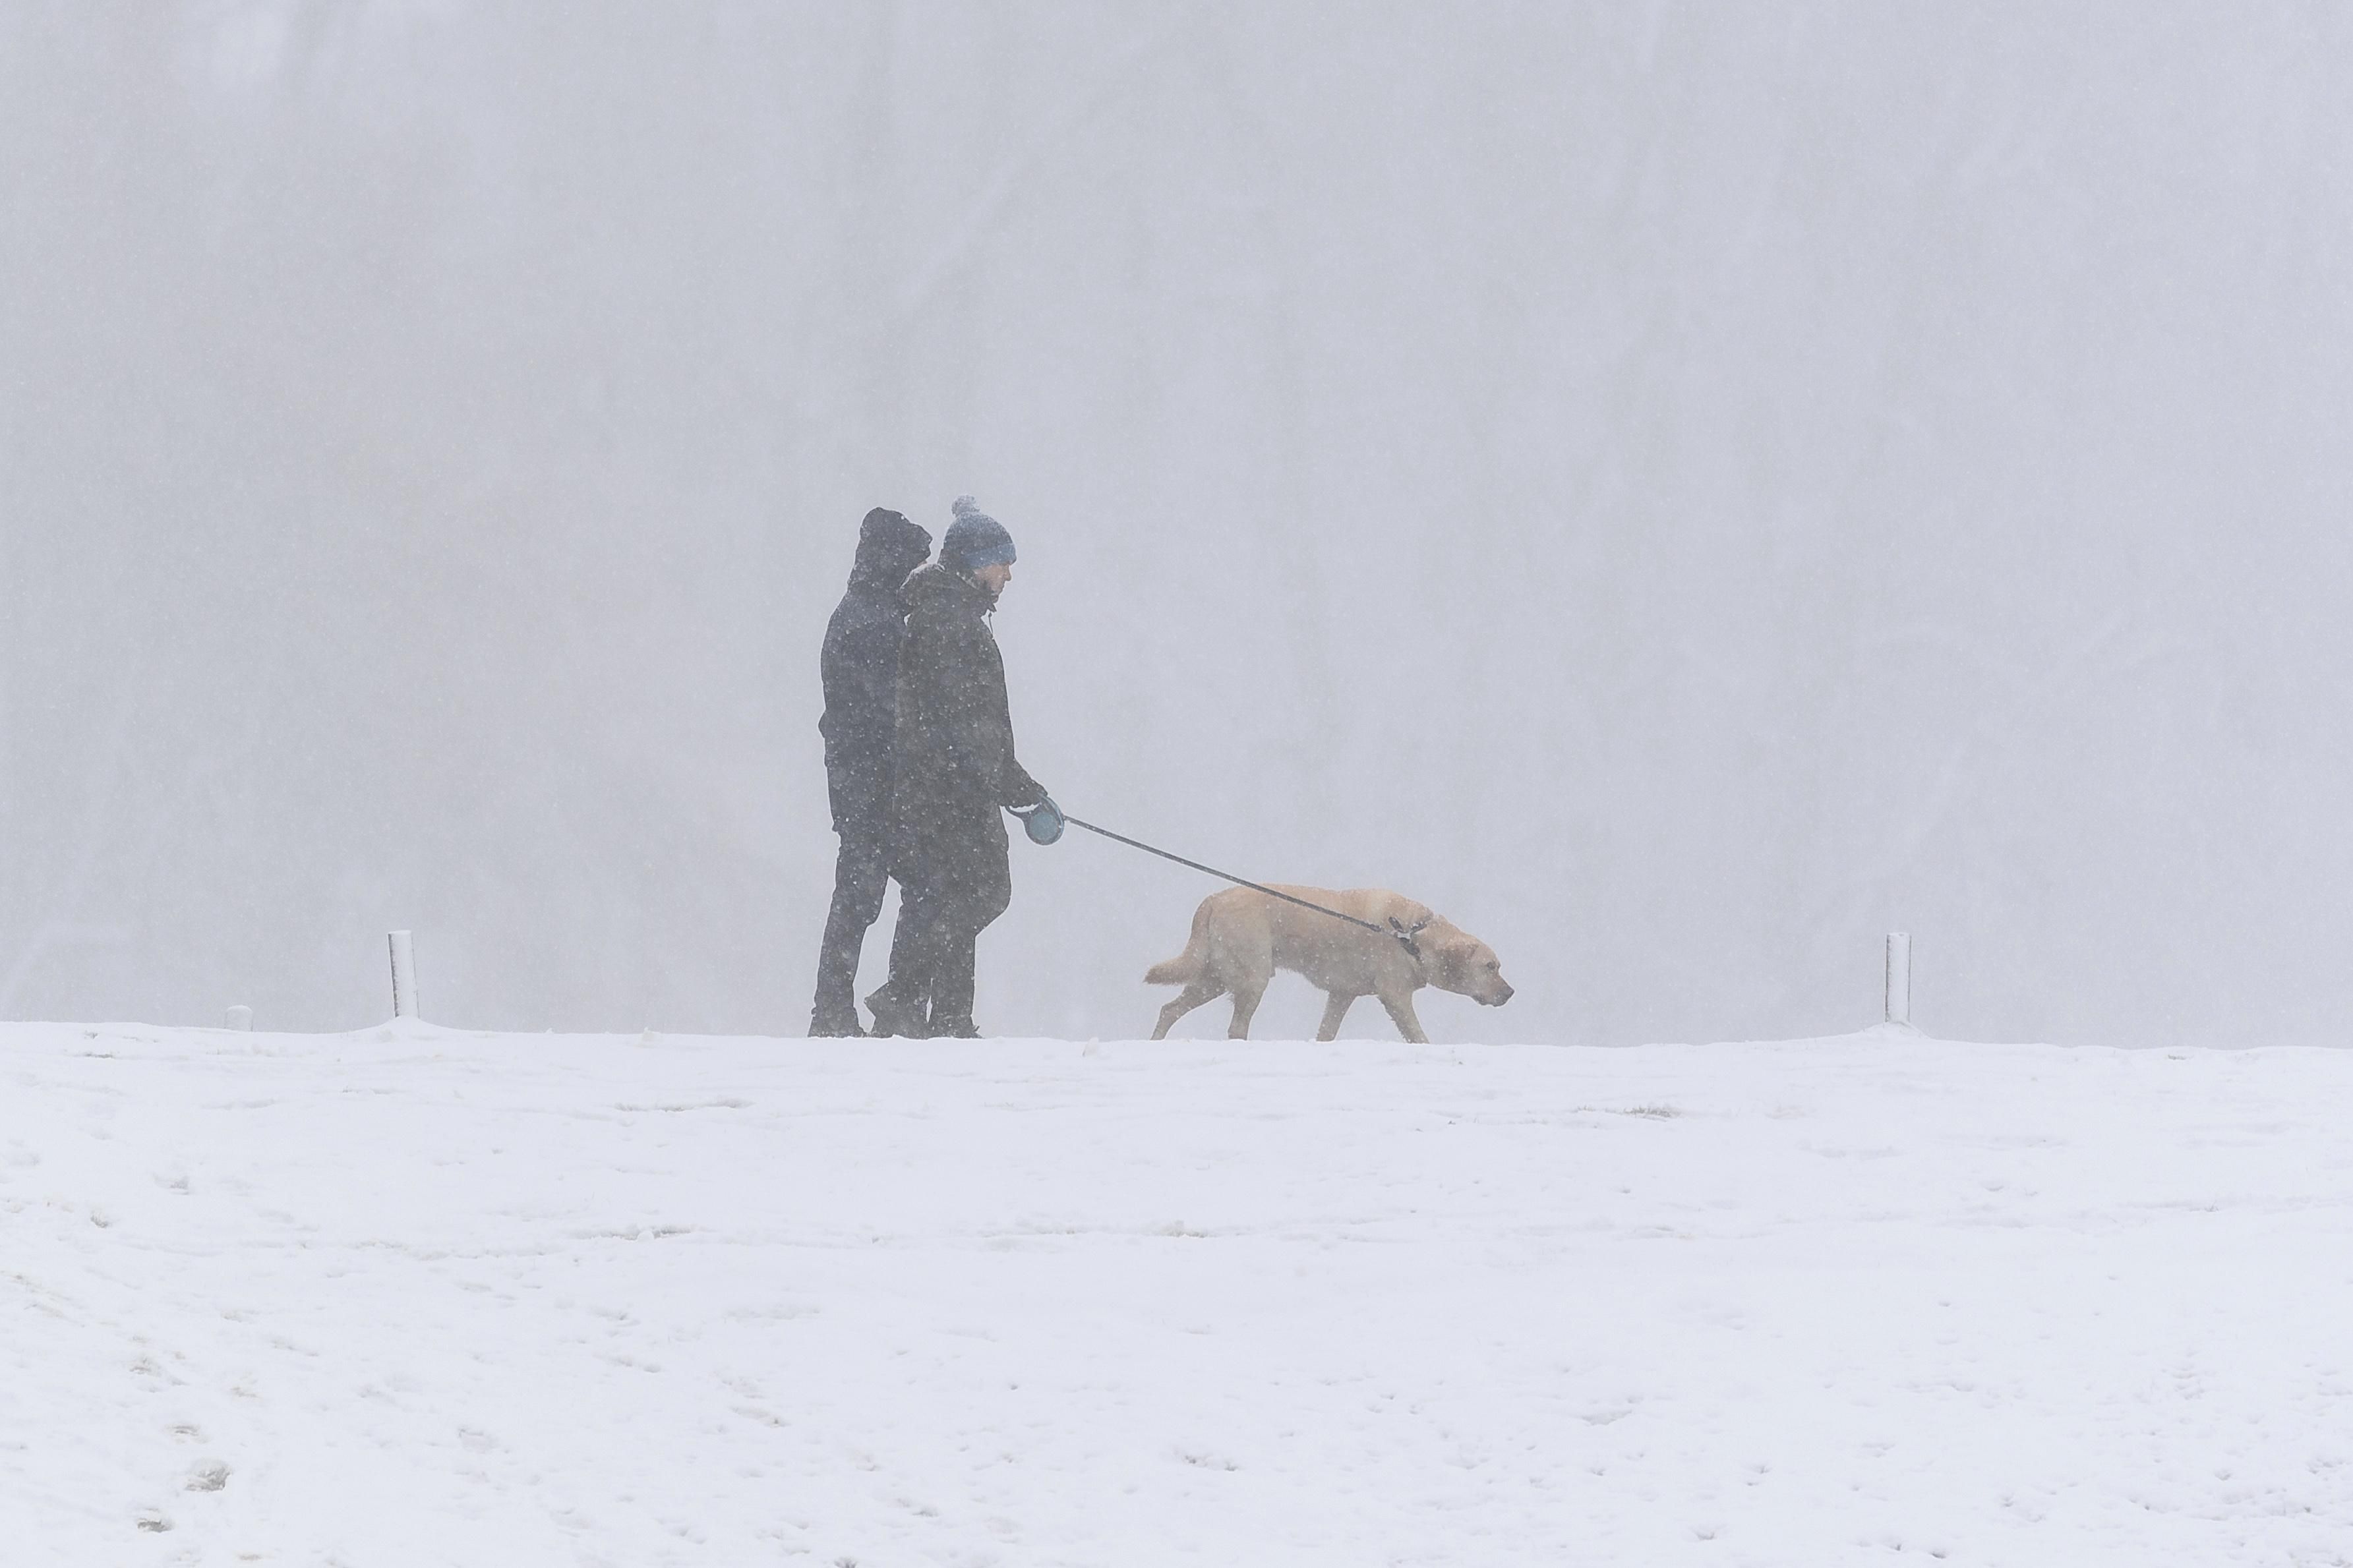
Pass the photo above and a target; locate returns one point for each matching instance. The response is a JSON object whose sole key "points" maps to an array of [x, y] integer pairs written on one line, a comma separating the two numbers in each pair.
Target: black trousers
{"points": [[954, 879], [862, 871]]}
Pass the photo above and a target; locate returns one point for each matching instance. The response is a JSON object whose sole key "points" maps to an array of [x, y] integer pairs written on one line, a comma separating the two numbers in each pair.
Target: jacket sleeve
{"points": [[980, 722]]}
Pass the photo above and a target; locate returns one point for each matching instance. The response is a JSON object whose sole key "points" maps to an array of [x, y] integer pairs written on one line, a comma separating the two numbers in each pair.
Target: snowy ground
{"points": [[421, 1297]]}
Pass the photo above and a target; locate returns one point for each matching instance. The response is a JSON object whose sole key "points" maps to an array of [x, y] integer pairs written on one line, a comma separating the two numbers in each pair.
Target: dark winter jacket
{"points": [[860, 670], [953, 763]]}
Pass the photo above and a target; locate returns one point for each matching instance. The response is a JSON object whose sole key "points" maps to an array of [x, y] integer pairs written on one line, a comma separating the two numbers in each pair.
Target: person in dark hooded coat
{"points": [[860, 665], [954, 774]]}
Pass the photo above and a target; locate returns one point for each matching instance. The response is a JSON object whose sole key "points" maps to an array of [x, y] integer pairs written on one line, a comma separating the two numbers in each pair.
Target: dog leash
{"points": [[1396, 930]]}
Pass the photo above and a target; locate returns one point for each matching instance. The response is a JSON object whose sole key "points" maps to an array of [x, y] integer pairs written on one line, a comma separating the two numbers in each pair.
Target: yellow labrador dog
{"points": [[1241, 937]]}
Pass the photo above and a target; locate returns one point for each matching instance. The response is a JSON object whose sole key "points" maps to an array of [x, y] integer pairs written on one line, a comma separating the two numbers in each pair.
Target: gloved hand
{"points": [[1042, 822]]}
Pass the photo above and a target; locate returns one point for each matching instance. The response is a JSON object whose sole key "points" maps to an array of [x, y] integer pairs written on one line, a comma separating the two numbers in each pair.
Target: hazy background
{"points": [[1682, 488]]}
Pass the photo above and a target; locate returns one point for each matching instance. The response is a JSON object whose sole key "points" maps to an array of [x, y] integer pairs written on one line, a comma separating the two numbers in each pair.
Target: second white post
{"points": [[1899, 977], [404, 976]]}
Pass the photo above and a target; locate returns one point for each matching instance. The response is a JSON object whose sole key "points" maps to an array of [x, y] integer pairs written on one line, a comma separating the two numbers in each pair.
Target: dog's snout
{"points": [[1504, 997]]}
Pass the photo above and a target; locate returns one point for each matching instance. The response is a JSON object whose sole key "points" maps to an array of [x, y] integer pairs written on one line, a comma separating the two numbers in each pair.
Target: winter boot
{"points": [[893, 1017], [830, 1024]]}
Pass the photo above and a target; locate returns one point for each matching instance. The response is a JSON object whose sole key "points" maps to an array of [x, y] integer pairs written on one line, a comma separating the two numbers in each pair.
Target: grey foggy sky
{"points": [[1679, 488]]}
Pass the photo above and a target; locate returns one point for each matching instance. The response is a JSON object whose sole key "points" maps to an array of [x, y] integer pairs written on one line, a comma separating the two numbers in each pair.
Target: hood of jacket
{"points": [[889, 547], [936, 590]]}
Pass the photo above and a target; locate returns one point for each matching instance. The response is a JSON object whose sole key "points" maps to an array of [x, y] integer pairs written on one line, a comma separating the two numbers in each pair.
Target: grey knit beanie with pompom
{"points": [[974, 540]]}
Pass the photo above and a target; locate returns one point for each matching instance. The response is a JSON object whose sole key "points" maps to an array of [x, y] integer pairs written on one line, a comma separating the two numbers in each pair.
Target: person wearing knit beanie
{"points": [[954, 774]]}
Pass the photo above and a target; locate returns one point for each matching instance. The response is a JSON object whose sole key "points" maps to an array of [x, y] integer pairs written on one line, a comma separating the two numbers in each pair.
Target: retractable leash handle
{"points": [[1396, 931], [1042, 822]]}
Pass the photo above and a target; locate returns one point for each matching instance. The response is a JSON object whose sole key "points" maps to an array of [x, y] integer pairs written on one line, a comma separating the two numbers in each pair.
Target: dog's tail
{"points": [[1186, 967], [1181, 969]]}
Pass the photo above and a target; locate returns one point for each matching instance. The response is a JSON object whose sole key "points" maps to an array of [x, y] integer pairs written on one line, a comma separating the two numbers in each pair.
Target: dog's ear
{"points": [[1438, 941], [1465, 958]]}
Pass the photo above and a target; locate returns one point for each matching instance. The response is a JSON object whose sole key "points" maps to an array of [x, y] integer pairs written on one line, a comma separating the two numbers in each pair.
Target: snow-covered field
{"points": [[415, 1297]]}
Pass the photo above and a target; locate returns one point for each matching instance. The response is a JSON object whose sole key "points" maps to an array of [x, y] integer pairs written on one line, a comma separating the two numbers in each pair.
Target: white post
{"points": [[1899, 977], [404, 976], [240, 1018]]}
